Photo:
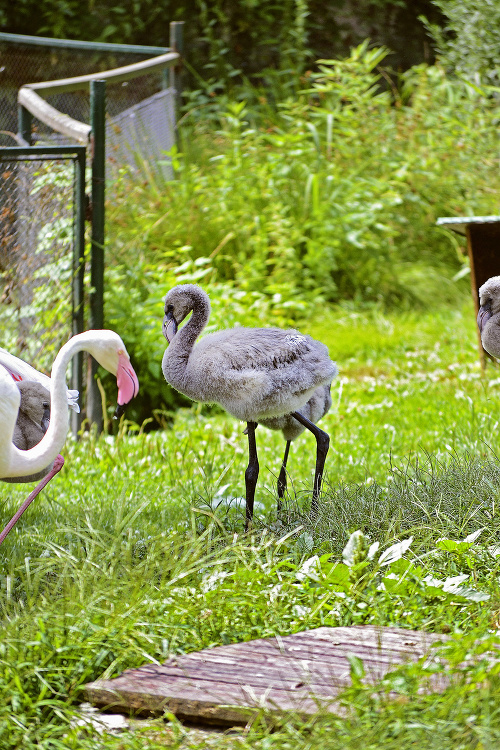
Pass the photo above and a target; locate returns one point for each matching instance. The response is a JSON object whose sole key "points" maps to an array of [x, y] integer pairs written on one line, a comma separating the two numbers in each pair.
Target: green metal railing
{"points": [[45, 41]]}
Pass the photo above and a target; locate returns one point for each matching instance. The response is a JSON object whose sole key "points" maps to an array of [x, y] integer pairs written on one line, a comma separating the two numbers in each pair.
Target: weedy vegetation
{"points": [[317, 212], [135, 551]]}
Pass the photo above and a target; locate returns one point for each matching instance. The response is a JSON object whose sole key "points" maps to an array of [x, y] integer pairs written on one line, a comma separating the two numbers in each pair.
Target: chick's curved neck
{"points": [[186, 336], [175, 361]]}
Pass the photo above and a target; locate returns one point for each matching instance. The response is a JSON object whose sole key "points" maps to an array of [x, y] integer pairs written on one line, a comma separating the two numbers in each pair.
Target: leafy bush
{"points": [[331, 197], [335, 196], [469, 39]]}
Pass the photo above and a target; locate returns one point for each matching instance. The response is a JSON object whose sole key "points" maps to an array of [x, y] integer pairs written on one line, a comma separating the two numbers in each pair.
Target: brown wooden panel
{"points": [[228, 684], [483, 241]]}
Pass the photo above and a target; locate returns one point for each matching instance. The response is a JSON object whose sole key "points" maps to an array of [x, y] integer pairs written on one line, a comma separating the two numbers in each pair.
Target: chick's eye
{"points": [[170, 308]]}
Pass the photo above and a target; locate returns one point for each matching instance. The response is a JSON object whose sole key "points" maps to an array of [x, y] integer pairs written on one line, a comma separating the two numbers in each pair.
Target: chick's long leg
{"points": [[58, 464], [251, 473], [282, 476], [322, 445]]}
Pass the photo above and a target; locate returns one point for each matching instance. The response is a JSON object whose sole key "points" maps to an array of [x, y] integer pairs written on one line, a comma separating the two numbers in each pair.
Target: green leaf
{"points": [[395, 552]]}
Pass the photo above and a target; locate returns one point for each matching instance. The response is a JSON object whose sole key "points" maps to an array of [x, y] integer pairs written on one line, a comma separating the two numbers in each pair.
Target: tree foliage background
{"points": [[227, 36], [469, 40]]}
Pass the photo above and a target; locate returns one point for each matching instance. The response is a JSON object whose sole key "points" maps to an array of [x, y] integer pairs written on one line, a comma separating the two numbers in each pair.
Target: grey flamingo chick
{"points": [[33, 416], [488, 317], [32, 422], [259, 375]]}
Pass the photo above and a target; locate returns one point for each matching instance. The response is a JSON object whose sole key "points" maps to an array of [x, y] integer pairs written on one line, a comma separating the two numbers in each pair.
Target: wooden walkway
{"points": [[226, 685]]}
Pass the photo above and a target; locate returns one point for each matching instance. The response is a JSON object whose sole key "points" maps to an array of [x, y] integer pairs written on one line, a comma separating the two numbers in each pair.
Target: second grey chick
{"points": [[259, 375], [32, 423], [488, 317]]}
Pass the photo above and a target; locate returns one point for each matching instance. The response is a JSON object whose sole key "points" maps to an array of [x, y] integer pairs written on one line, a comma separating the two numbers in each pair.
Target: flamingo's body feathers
{"points": [[317, 406], [253, 373]]}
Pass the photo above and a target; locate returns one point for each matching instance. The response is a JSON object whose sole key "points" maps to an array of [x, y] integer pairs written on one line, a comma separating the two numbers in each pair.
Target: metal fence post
{"points": [[98, 150], [176, 45], [77, 302], [25, 120]]}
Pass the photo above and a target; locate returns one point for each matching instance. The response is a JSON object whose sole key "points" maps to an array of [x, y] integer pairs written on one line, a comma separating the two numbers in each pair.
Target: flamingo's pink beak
{"points": [[126, 379]]}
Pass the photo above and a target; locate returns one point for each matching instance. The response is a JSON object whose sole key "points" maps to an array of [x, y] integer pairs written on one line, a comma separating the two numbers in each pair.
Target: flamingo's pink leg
{"points": [[58, 464]]}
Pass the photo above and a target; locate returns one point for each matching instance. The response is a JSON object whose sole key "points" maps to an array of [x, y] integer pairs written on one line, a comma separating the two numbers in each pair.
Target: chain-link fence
{"points": [[42, 301], [140, 113], [40, 250]]}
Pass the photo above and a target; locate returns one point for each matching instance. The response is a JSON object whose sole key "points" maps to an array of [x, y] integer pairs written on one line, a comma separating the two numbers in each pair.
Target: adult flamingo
{"points": [[15, 464]]}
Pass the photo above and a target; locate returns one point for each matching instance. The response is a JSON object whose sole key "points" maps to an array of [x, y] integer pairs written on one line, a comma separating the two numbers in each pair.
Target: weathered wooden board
{"points": [[303, 672]]}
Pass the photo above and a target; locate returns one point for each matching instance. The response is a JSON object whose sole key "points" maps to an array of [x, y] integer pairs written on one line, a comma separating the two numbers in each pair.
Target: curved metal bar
{"points": [[125, 73], [58, 121], [45, 41], [61, 123]]}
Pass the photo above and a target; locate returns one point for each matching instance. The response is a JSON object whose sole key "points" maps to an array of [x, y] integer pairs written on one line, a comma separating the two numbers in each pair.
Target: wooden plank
{"points": [[228, 685], [483, 247]]}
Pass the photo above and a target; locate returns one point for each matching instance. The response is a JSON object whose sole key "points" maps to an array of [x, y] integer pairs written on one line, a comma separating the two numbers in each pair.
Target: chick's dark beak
{"points": [[484, 315], [46, 417], [169, 326]]}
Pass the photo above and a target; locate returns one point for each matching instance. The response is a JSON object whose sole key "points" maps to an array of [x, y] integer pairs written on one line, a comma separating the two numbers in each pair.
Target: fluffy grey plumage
{"points": [[32, 423], [256, 374], [316, 408], [265, 376], [488, 318], [34, 414]]}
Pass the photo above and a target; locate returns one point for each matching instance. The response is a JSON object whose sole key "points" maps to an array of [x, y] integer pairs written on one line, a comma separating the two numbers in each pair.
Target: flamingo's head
{"points": [[110, 351], [179, 302]]}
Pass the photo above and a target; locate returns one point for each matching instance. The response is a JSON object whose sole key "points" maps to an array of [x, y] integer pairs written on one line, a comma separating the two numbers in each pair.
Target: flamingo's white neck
{"points": [[37, 458], [109, 350], [9, 407]]}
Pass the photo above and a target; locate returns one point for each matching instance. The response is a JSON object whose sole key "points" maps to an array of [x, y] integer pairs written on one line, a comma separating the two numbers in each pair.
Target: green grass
{"points": [[131, 554]]}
